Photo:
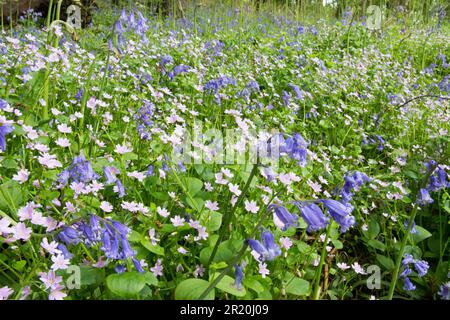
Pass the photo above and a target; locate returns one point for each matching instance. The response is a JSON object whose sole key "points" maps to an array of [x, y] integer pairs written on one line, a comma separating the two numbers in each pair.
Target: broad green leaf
{"points": [[213, 221], [19, 265], [150, 247], [191, 289], [90, 275], [9, 163], [227, 284], [421, 234], [134, 236], [337, 244], [373, 229], [298, 287], [150, 279], [252, 283], [196, 203], [376, 244], [193, 185], [386, 262], [127, 284]]}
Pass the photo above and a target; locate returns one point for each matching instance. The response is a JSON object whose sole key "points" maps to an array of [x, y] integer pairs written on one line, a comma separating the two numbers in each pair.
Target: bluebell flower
{"points": [[120, 188], [413, 228], [299, 149], [424, 197], [120, 268], [137, 265], [267, 249], [313, 216], [406, 272], [282, 218], [67, 255], [118, 28], [4, 130], [239, 276], [286, 98], [79, 94], [150, 171], [438, 180], [408, 285], [352, 181], [297, 91], [110, 176], [421, 267], [3, 104], [380, 143], [178, 70], [269, 173], [408, 259], [340, 212], [79, 171], [69, 235], [127, 252], [165, 60], [444, 291]]}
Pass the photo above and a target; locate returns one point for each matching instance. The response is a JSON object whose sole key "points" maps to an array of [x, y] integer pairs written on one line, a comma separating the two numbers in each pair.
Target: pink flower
{"points": [[21, 232], [50, 279], [263, 270], [251, 206], [57, 294], [5, 292], [51, 247], [199, 271], [59, 262], [157, 269], [162, 212], [213, 206], [4, 226], [106, 206], [49, 161], [22, 176], [177, 221]]}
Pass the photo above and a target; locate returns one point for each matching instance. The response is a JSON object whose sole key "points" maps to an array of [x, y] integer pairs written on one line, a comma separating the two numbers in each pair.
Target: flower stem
{"points": [[316, 293], [400, 254]]}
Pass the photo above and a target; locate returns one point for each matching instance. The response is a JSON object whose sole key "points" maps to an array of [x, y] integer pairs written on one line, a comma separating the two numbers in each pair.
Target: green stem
{"points": [[400, 254], [316, 293]]}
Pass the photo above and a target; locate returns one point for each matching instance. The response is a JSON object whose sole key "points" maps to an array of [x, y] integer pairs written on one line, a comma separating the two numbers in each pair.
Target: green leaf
{"points": [[19, 265], [150, 279], [130, 156], [252, 283], [196, 204], [421, 234], [337, 244], [376, 244], [214, 222], [386, 262], [127, 284], [191, 289], [134, 236], [227, 284], [193, 185], [10, 196], [373, 229], [150, 247], [9, 163], [90, 275], [298, 287]]}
